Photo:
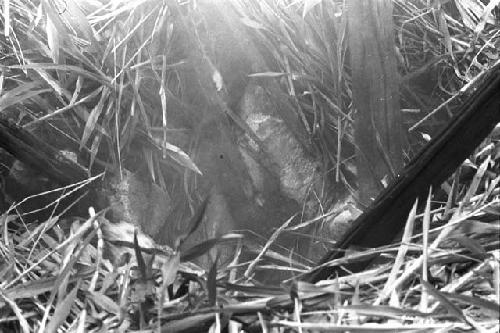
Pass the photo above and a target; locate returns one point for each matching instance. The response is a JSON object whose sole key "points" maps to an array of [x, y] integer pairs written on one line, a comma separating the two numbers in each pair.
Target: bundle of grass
{"points": [[439, 49]]}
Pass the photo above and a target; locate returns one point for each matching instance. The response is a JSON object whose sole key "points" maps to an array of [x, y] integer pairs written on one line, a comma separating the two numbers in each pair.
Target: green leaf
{"points": [[170, 268], [490, 307], [91, 123], [62, 310], [180, 157], [141, 263], [104, 302], [194, 323], [205, 246], [267, 74], [212, 282], [441, 298]]}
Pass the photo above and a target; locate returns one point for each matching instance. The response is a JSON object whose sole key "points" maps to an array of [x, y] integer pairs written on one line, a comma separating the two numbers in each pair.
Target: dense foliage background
{"points": [[172, 92]]}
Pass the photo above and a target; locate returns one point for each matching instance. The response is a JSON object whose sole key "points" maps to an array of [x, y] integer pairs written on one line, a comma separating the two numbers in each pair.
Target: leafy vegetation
{"points": [[88, 72]]}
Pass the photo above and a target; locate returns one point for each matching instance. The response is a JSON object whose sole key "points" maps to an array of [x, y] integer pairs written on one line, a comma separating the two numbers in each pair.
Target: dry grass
{"points": [[80, 276]]}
